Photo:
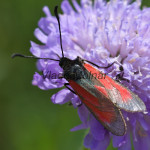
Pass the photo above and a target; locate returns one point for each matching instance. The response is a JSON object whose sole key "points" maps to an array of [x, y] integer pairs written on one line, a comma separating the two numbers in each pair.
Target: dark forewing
{"points": [[100, 106], [117, 93]]}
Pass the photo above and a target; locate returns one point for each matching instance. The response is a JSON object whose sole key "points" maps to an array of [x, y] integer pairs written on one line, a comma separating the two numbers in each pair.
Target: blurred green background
{"points": [[29, 120]]}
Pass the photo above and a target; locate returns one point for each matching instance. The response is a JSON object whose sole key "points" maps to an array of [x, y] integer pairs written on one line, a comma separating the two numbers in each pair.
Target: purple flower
{"points": [[101, 32]]}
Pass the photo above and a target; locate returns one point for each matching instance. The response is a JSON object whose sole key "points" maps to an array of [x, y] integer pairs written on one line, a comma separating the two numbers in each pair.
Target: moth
{"points": [[104, 97]]}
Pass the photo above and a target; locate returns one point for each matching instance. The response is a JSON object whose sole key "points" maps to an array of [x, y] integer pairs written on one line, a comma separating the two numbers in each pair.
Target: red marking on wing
{"points": [[93, 70], [101, 115], [102, 90], [83, 93], [94, 105], [125, 94], [109, 84]]}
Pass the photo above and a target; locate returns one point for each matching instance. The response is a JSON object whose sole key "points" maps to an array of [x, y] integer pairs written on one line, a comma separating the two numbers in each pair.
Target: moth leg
{"points": [[100, 66], [121, 74], [118, 78], [61, 77], [66, 85]]}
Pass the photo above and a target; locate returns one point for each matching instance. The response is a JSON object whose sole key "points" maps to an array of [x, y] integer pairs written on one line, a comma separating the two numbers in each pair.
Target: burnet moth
{"points": [[103, 97]]}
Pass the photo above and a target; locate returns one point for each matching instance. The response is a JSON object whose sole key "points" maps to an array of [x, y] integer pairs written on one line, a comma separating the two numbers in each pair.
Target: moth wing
{"points": [[100, 106], [117, 93]]}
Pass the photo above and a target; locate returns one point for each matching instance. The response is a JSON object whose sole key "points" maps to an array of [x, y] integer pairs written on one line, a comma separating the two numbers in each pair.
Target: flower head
{"points": [[101, 32]]}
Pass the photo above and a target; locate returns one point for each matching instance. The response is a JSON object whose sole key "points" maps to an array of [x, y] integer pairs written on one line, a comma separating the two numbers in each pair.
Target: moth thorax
{"points": [[74, 72]]}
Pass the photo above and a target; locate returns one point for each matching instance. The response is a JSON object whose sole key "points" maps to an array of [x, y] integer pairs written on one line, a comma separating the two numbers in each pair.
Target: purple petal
{"points": [[66, 7], [76, 101], [144, 123], [54, 83], [126, 144], [142, 142], [62, 97], [46, 11], [79, 127], [35, 50], [90, 142], [44, 25], [52, 40], [97, 130], [38, 81], [40, 35], [83, 113], [52, 67], [103, 144], [76, 5], [118, 140]]}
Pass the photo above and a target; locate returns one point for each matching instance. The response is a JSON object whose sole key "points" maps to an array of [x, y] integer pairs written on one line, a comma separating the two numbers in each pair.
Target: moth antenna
{"points": [[58, 56], [32, 57], [57, 17]]}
